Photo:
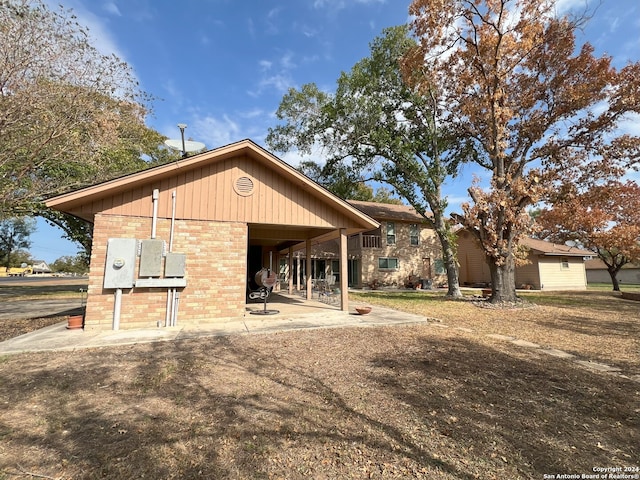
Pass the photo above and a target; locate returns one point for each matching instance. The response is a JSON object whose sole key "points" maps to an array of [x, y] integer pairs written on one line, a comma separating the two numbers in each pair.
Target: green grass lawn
{"points": [[605, 287]]}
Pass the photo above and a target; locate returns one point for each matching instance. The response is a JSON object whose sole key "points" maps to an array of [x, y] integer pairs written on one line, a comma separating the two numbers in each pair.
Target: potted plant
{"points": [[76, 321]]}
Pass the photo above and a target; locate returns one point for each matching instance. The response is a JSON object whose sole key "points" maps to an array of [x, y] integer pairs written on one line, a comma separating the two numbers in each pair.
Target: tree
{"points": [[69, 264], [604, 218], [20, 257], [339, 180], [14, 235], [69, 116], [533, 106], [375, 124]]}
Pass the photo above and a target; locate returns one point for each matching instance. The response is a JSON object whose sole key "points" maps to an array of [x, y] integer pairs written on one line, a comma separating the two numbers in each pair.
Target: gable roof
{"points": [[86, 202], [388, 211], [550, 249]]}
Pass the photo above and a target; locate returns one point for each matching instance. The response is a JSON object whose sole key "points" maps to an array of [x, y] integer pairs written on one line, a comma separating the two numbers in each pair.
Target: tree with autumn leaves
{"points": [[70, 116], [504, 83], [604, 219], [536, 108]]}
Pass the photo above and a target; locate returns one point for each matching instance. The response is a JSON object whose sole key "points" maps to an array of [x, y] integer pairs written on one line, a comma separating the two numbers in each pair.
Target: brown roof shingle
{"points": [[548, 248], [387, 211]]}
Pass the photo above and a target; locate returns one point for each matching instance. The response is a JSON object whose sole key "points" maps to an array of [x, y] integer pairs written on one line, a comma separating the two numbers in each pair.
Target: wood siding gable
{"points": [[239, 187]]}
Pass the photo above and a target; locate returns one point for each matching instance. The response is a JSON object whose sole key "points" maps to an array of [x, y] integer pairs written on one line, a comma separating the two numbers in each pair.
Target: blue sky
{"points": [[222, 66]]}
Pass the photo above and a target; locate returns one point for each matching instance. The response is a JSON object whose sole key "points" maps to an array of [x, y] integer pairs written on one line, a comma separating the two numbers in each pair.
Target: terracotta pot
{"points": [[75, 321], [363, 310]]}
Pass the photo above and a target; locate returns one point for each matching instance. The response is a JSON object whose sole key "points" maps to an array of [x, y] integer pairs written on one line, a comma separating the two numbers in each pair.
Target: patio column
{"points": [[290, 271], [308, 269], [344, 275], [298, 271]]}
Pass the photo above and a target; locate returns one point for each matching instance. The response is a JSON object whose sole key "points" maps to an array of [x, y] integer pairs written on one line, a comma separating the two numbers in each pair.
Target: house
{"points": [[550, 266], [193, 232], [40, 267], [401, 251], [597, 272]]}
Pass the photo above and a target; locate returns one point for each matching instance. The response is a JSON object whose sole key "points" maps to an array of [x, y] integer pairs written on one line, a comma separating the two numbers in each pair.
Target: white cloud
{"points": [[173, 92], [254, 113], [631, 124], [274, 12], [292, 158], [565, 6], [306, 30], [280, 82], [279, 79], [286, 61], [112, 8], [214, 132], [251, 28]]}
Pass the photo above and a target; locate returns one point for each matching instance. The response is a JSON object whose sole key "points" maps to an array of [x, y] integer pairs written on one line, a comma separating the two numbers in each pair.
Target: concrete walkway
{"points": [[59, 338]]}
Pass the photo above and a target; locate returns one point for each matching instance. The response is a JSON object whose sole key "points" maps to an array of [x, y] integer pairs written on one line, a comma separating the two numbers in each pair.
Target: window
{"points": [[335, 270], [414, 234], [439, 267], [391, 233], [385, 263], [564, 263]]}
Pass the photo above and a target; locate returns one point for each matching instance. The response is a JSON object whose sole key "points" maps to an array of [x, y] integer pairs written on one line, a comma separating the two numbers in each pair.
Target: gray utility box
{"points": [[175, 264], [151, 252], [119, 271]]}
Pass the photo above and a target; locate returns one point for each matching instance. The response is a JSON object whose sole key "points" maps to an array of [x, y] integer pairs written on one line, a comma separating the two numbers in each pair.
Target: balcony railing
{"points": [[368, 241], [371, 241]]}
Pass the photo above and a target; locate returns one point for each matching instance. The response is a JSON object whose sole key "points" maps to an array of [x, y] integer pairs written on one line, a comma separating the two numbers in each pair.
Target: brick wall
{"points": [[410, 257], [215, 271]]}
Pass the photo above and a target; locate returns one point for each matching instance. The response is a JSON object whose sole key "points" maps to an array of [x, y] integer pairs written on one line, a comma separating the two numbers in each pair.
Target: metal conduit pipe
{"points": [[154, 219]]}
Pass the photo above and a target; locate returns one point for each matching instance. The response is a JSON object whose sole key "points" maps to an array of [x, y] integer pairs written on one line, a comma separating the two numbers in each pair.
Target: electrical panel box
{"points": [[119, 271], [175, 264], [151, 252]]}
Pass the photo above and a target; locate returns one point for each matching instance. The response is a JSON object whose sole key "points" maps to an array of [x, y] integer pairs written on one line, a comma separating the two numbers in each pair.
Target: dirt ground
{"points": [[441, 400]]}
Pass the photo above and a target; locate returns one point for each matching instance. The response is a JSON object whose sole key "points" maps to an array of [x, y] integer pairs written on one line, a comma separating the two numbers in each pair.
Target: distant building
{"points": [[40, 267], [550, 267], [597, 272]]}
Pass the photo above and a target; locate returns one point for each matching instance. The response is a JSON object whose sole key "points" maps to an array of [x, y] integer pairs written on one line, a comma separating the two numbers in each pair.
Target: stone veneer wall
{"points": [[216, 262]]}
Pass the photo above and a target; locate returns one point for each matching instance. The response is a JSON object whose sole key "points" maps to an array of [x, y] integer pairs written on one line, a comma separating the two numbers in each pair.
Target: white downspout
{"points": [[154, 219]]}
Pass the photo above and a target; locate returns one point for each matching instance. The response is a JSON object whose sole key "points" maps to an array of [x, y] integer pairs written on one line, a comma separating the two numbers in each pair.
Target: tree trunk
{"points": [[613, 273], [503, 281], [447, 242], [450, 263]]}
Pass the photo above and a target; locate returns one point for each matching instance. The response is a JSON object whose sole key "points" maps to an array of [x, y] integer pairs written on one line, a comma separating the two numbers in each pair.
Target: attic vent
{"points": [[243, 186]]}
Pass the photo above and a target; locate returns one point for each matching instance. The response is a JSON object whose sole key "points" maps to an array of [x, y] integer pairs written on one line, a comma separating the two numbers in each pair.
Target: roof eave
{"points": [[75, 198]]}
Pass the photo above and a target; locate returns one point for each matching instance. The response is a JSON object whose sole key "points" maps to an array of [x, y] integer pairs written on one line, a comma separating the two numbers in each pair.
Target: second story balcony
{"points": [[365, 241], [371, 241]]}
